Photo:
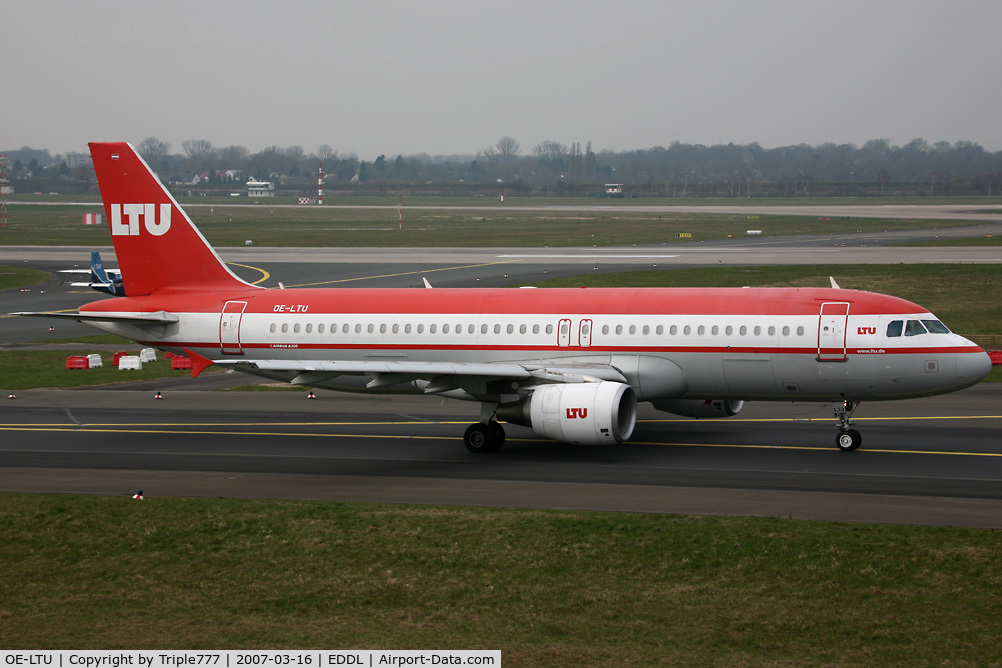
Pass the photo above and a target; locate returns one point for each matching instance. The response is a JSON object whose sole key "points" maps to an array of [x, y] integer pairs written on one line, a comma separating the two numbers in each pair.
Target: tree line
{"points": [[877, 168]]}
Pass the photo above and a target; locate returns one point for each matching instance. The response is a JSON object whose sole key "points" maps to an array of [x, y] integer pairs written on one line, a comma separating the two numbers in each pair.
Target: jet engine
{"points": [[699, 408], [585, 413]]}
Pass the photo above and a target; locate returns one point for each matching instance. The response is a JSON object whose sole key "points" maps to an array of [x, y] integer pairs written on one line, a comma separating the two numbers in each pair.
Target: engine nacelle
{"points": [[699, 408], [585, 413]]}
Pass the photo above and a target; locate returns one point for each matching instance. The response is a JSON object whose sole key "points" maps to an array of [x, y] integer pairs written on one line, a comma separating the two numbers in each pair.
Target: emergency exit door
{"points": [[831, 332], [229, 328]]}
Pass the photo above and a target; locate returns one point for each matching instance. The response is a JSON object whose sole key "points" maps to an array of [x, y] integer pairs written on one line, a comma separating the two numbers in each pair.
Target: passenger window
{"points": [[714, 330], [396, 328], [772, 330], [584, 329], [371, 328], [535, 329], [786, 331], [445, 329], [285, 327], [497, 329], [619, 329], [673, 330], [647, 330], [728, 330], [633, 329], [800, 330], [549, 329], [272, 328], [295, 328], [914, 328], [320, 328], [700, 330], [309, 327], [420, 329], [605, 329], [382, 328], [432, 328], [407, 328], [660, 330], [344, 329], [935, 327]]}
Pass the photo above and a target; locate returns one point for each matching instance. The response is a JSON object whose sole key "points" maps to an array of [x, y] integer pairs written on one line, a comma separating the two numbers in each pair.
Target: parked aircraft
{"points": [[569, 363], [101, 279]]}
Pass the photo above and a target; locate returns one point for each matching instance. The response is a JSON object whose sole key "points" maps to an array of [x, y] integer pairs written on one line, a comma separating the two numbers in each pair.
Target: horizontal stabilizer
{"points": [[145, 319]]}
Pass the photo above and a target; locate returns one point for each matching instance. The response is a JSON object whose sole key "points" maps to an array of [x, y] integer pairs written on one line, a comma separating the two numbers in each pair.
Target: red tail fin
{"points": [[157, 245]]}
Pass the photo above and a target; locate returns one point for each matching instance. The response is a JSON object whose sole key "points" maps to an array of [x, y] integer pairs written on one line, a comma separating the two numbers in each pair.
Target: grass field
{"points": [[12, 278], [265, 225], [548, 588], [25, 369]]}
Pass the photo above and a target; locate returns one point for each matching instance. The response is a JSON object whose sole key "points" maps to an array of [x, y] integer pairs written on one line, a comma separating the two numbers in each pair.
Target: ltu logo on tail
{"points": [[133, 213]]}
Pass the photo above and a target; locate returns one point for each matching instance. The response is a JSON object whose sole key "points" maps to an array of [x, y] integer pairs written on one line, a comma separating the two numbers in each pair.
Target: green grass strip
{"points": [[546, 587]]}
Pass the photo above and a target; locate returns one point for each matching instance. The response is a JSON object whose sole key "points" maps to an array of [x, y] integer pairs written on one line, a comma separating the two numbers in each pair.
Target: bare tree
{"points": [[233, 157], [196, 147], [200, 154], [326, 153], [153, 150], [508, 148], [549, 150]]}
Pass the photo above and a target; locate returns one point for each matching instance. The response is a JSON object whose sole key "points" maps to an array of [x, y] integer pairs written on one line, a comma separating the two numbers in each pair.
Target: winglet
{"points": [[834, 284], [198, 363], [427, 284]]}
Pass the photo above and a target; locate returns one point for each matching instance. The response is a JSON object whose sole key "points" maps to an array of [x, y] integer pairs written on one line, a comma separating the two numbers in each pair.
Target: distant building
{"points": [[74, 160], [260, 188]]}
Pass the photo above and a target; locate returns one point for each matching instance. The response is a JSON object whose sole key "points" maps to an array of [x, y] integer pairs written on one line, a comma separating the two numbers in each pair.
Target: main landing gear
{"points": [[847, 439], [484, 437]]}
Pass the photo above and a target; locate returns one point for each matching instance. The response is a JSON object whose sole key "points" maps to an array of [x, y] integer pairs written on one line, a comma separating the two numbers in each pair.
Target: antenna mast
{"points": [[3, 191]]}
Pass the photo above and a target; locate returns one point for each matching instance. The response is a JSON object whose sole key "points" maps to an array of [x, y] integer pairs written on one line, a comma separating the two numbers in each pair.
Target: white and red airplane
{"points": [[569, 363]]}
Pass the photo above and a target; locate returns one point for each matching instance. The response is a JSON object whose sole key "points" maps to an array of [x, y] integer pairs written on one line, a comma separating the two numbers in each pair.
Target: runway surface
{"points": [[931, 461]]}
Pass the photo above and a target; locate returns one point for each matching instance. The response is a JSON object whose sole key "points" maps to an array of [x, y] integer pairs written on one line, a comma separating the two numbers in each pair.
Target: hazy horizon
{"points": [[444, 77]]}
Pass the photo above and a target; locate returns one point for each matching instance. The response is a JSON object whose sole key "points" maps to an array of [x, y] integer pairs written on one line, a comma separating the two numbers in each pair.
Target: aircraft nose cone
{"points": [[973, 368]]}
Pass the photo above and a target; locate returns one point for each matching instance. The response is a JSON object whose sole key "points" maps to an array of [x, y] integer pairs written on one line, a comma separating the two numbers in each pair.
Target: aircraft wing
{"points": [[158, 318], [473, 378]]}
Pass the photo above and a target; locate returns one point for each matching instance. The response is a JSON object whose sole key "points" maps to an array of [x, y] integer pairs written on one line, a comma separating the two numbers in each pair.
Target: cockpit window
{"points": [[894, 328], [935, 327], [914, 328]]}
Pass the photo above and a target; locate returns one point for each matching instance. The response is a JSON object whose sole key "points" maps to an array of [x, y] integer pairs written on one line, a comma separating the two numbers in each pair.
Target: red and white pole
{"points": [[320, 184]]}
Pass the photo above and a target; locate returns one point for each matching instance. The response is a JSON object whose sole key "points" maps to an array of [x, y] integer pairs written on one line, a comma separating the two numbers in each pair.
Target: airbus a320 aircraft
{"points": [[569, 363]]}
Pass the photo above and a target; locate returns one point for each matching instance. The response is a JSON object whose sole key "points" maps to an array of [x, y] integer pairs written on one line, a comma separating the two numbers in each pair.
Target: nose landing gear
{"points": [[847, 439]]}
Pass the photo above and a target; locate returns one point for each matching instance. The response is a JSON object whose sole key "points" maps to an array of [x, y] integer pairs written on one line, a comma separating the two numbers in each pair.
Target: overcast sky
{"points": [[374, 77]]}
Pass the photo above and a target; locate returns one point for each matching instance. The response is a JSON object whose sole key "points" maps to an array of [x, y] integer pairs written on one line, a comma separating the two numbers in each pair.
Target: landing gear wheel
{"points": [[848, 439], [482, 437]]}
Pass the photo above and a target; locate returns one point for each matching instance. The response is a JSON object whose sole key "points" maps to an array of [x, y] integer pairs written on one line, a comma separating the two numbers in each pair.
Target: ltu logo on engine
{"points": [[133, 213], [577, 413]]}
